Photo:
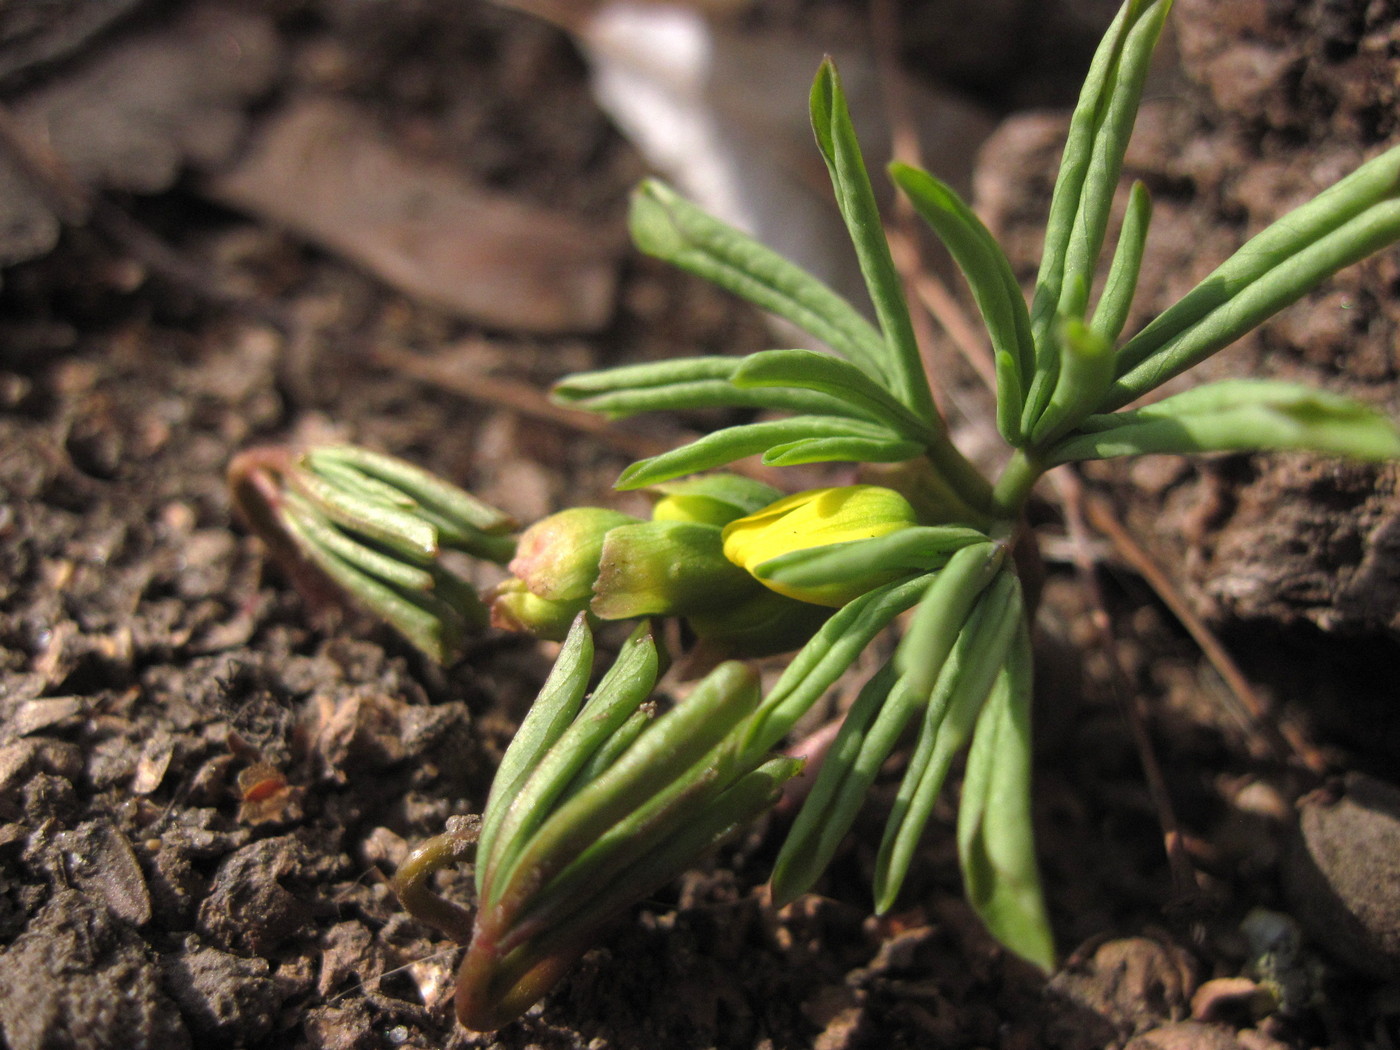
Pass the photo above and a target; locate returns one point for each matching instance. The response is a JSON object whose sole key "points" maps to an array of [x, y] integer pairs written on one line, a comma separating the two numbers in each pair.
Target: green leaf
{"points": [[996, 840], [429, 623], [1085, 372], [735, 443], [425, 489], [825, 658], [868, 734], [841, 450], [803, 369], [994, 286], [1098, 136], [314, 528], [1111, 313], [622, 690], [565, 921], [549, 716], [836, 137], [967, 677], [388, 524], [698, 383], [942, 612], [920, 548], [612, 810], [668, 227], [1353, 219], [1237, 415]]}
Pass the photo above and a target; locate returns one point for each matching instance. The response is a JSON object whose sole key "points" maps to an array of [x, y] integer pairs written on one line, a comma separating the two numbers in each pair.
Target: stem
{"points": [[962, 477], [1014, 485]]}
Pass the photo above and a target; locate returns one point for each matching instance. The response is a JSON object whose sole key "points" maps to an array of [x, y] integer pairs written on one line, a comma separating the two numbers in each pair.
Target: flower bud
{"points": [[514, 608], [818, 518], [712, 499], [555, 564], [557, 557], [666, 568], [763, 624]]}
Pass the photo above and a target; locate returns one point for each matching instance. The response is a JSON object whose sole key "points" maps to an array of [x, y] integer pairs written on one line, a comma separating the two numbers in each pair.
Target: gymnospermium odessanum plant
{"points": [[596, 802]]}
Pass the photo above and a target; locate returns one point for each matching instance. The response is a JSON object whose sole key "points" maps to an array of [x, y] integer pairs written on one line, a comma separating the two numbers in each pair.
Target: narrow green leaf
{"points": [[942, 612], [1085, 372], [430, 624], [718, 393], [735, 443], [549, 716], [1111, 313], [716, 499], [836, 137], [1242, 292], [922, 548], [841, 450], [623, 689], [841, 380], [825, 658], [967, 677], [1237, 415], [994, 286], [687, 383], [578, 917], [1089, 169], [670, 746], [372, 562], [996, 840], [392, 526], [868, 734], [668, 227], [423, 487]]}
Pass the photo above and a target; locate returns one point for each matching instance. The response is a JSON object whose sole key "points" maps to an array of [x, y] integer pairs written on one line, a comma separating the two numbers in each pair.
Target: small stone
{"points": [[1343, 873]]}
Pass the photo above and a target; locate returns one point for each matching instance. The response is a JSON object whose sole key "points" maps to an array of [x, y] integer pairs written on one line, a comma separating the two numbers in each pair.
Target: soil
{"points": [[204, 786]]}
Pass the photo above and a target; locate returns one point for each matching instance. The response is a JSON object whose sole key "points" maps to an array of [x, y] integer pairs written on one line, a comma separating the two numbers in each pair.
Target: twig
{"points": [[1284, 740], [1183, 872], [527, 401]]}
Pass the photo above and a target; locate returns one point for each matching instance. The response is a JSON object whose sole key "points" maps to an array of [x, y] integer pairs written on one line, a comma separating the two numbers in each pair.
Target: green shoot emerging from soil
{"points": [[598, 801]]}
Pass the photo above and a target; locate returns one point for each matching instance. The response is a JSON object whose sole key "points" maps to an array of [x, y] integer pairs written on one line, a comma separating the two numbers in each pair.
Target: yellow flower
{"points": [[817, 518]]}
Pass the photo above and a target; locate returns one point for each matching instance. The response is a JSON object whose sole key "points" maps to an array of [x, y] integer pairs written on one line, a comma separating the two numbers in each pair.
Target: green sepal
{"points": [[996, 839], [666, 568], [1237, 415]]}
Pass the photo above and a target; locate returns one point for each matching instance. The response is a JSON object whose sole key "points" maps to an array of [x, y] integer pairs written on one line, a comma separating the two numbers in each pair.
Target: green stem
{"points": [[1014, 485], [962, 477]]}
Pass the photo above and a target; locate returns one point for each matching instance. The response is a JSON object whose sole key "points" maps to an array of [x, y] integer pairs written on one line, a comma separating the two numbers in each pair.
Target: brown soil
{"points": [[203, 789]]}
